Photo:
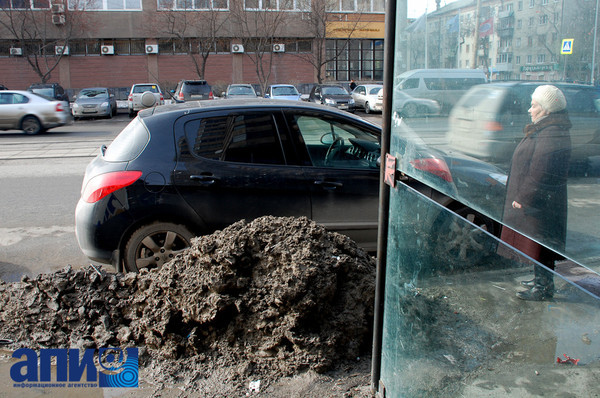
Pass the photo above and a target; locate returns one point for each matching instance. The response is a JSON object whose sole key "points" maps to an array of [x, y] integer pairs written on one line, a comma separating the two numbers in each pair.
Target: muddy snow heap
{"points": [[274, 295]]}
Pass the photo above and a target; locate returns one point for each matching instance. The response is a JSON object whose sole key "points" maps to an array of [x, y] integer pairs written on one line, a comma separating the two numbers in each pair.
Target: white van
{"points": [[445, 86]]}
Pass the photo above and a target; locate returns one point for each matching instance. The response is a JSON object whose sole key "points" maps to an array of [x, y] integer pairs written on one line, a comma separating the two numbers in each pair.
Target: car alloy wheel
{"points": [[31, 125], [153, 245], [367, 107]]}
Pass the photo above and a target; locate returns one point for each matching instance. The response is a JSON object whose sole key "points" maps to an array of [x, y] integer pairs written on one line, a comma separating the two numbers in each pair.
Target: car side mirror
{"points": [[267, 96], [222, 93]]}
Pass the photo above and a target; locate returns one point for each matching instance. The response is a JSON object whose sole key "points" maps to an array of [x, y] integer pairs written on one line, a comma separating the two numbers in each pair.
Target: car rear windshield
{"points": [[130, 142], [195, 87], [153, 88], [47, 92]]}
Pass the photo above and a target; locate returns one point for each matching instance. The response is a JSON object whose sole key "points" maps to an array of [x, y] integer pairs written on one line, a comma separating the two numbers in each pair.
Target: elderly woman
{"points": [[536, 192]]}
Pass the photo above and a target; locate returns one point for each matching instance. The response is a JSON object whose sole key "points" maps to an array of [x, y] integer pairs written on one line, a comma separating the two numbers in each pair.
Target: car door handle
{"points": [[204, 179], [328, 185]]}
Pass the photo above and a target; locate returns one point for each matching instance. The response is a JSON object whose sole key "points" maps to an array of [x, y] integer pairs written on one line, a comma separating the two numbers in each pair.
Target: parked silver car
{"points": [[240, 91], [32, 113], [365, 96], [94, 102]]}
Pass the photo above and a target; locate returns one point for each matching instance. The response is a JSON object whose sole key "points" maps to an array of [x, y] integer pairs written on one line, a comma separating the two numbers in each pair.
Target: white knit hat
{"points": [[550, 98]]}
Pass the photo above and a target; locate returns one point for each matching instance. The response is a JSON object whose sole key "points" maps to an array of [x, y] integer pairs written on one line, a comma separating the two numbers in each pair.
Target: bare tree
{"points": [[258, 30], [196, 32], [319, 19], [40, 32]]}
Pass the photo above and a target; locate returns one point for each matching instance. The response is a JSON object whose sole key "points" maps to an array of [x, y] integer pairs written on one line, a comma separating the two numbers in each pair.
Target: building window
{"points": [[193, 4], [543, 19], [106, 5], [520, 6], [354, 6], [531, 21], [519, 24], [541, 39], [518, 59], [518, 42], [24, 4], [357, 59], [544, 2], [529, 41], [529, 59], [282, 5], [531, 3], [541, 58], [509, 7]]}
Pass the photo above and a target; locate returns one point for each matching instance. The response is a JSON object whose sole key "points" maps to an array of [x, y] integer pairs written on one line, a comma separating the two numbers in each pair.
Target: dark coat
{"points": [[538, 181]]}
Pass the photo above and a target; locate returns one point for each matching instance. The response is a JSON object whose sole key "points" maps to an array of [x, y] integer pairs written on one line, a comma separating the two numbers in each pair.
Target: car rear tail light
{"points": [[181, 96], [60, 107], [105, 184], [210, 95], [493, 126], [162, 98], [434, 166], [130, 97]]}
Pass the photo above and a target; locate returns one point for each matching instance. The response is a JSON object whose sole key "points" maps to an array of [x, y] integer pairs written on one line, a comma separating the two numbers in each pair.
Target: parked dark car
{"points": [[332, 95], [51, 90], [192, 90], [183, 170]]}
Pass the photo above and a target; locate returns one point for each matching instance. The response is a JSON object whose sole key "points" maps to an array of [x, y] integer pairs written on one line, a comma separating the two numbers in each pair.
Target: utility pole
{"points": [[476, 46]]}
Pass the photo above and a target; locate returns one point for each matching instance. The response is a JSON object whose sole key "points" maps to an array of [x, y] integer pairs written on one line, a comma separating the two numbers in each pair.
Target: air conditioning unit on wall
{"points": [[278, 48], [61, 50], [57, 8], [58, 19], [16, 51], [107, 50], [152, 49], [237, 48]]}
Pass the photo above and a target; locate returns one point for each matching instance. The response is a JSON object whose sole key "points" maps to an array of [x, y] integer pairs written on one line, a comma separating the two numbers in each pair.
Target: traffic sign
{"points": [[567, 47]]}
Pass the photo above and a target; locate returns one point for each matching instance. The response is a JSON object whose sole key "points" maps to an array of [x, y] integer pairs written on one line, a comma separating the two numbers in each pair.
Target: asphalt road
{"points": [[40, 180]]}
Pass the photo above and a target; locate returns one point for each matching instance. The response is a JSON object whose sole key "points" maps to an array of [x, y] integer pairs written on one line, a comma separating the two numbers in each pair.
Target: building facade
{"points": [[116, 43], [511, 40]]}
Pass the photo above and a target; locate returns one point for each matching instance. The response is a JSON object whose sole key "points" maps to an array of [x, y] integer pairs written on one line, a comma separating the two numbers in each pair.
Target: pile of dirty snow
{"points": [[257, 300]]}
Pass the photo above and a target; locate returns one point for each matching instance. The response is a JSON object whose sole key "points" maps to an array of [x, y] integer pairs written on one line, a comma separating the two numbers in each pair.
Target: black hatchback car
{"points": [[183, 170]]}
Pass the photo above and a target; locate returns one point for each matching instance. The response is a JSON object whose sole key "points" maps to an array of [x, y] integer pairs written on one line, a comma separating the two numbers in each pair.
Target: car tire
{"points": [[31, 125], [110, 114], [467, 244], [148, 99], [153, 245], [367, 108], [131, 113], [410, 110]]}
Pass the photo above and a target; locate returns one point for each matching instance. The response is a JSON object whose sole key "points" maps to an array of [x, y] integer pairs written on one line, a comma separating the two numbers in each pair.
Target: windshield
{"points": [[285, 90], [93, 93], [334, 90]]}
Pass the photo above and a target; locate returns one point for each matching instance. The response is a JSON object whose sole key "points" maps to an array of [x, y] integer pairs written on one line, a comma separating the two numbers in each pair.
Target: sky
{"points": [[416, 8]]}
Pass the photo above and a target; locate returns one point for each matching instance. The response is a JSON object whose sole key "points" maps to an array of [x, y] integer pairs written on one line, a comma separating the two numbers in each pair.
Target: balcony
{"points": [[506, 32]]}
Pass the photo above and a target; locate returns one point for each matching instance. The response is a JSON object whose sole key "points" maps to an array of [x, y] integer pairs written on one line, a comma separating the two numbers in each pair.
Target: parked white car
{"points": [[144, 95], [32, 113], [365, 96]]}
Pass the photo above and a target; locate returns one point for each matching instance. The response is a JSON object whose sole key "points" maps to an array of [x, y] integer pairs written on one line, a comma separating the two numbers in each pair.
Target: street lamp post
{"points": [[594, 49]]}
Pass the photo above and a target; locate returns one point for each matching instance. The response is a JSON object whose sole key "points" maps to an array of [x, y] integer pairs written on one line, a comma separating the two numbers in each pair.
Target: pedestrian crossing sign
{"points": [[567, 46]]}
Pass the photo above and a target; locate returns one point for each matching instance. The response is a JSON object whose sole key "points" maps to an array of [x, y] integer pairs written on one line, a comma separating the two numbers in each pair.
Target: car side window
{"points": [[333, 143], [241, 138], [5, 99]]}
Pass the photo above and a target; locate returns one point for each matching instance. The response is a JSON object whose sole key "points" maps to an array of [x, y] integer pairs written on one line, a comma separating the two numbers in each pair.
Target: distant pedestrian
{"points": [[352, 84], [536, 190]]}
